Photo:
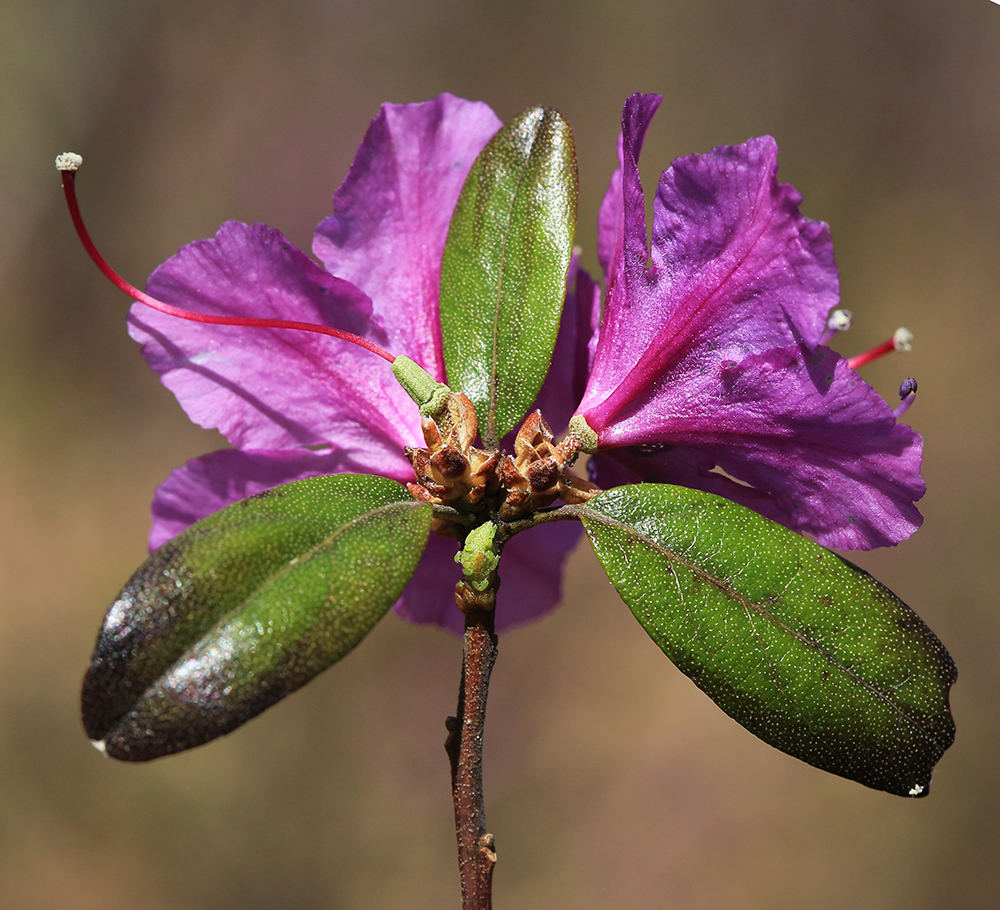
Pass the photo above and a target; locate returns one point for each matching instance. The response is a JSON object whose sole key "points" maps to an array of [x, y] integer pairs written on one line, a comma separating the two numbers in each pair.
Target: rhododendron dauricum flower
{"points": [[708, 358], [711, 358], [298, 405]]}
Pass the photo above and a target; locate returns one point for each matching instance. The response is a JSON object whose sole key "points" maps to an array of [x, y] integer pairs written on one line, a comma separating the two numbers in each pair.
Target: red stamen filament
{"points": [[886, 347], [68, 181], [901, 340]]}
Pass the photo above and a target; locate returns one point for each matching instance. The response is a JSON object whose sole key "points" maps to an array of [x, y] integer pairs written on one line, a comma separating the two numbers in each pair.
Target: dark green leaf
{"points": [[503, 275], [802, 648], [245, 607]]}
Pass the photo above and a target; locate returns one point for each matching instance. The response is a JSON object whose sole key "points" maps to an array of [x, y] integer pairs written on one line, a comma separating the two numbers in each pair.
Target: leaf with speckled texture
{"points": [[503, 273], [245, 607], [802, 648]]}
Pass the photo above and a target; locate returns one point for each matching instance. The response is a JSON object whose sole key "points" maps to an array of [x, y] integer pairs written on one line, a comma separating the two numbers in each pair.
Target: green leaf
{"points": [[245, 607], [802, 648], [503, 275]]}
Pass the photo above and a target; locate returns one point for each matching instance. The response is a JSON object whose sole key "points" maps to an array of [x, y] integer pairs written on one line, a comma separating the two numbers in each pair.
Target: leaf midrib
{"points": [[491, 434], [750, 605], [279, 574]]}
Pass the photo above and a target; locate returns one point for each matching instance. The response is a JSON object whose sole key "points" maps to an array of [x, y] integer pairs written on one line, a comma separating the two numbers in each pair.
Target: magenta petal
{"points": [[530, 579], [819, 447], [430, 595], [735, 269], [742, 259], [615, 211], [574, 351], [205, 485], [391, 214], [272, 388], [531, 572], [622, 246], [694, 468]]}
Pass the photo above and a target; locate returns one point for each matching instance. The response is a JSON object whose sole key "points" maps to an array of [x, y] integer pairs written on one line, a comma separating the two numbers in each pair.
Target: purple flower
{"points": [[299, 405], [709, 371]]}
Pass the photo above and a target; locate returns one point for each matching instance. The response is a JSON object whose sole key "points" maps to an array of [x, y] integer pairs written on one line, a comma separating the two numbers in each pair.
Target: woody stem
{"points": [[464, 746]]}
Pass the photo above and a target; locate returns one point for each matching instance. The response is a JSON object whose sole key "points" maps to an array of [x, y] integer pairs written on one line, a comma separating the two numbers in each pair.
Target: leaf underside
{"points": [[503, 272], [245, 607], [801, 647]]}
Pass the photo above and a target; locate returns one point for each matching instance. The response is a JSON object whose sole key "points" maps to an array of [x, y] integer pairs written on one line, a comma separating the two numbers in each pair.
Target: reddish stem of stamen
{"points": [[886, 347], [68, 182]]}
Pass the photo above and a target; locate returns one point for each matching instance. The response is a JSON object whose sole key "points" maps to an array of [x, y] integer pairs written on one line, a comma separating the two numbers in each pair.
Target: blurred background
{"points": [[611, 780]]}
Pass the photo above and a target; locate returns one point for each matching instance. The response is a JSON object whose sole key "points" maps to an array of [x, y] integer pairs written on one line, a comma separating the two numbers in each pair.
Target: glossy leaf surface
{"points": [[245, 607], [802, 648], [503, 274]]}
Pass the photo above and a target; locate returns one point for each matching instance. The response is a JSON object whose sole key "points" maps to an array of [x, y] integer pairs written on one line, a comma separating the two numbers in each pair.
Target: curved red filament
{"points": [[68, 182]]}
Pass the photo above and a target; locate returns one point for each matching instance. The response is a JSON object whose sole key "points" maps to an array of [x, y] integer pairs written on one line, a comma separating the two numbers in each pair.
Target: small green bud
{"points": [[478, 558], [579, 427], [430, 395]]}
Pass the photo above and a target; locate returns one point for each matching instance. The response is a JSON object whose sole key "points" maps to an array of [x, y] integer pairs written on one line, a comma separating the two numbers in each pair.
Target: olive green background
{"points": [[611, 780]]}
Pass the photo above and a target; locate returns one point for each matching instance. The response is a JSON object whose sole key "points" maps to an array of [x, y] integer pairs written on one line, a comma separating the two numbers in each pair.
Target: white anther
{"points": [[839, 321], [902, 340], [69, 161]]}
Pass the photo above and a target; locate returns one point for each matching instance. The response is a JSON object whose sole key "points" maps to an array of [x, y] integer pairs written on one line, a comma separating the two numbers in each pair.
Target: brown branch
{"points": [[464, 746]]}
